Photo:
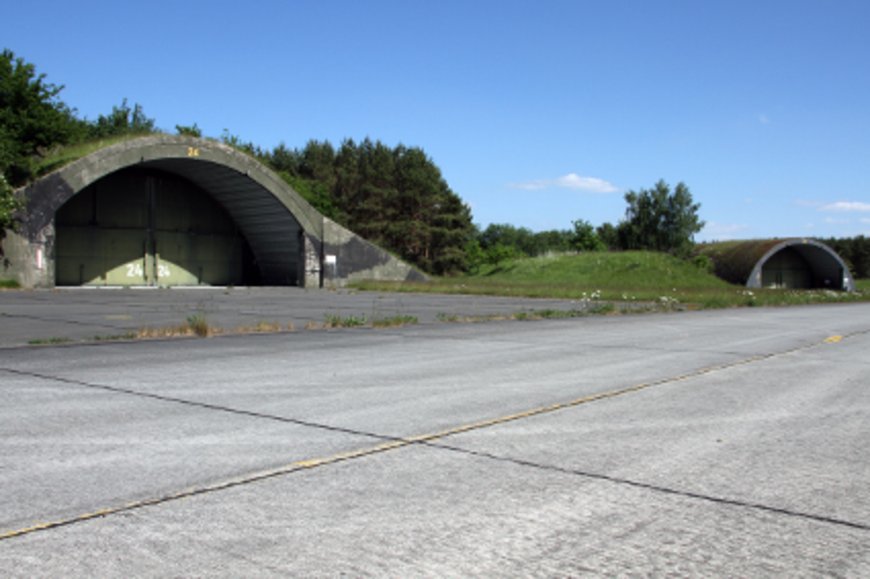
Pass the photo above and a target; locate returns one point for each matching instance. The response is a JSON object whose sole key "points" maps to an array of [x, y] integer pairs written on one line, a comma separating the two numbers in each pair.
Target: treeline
{"points": [[502, 241], [855, 251], [656, 219]]}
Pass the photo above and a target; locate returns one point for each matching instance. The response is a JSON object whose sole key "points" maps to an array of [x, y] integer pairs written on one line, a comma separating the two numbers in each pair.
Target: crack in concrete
{"points": [[653, 487]]}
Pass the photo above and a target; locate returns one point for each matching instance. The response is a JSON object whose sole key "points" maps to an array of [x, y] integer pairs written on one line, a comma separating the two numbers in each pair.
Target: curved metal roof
{"points": [[268, 211], [742, 262]]}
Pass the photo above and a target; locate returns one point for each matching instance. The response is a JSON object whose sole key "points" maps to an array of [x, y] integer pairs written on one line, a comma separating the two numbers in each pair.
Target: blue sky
{"points": [[537, 113]]}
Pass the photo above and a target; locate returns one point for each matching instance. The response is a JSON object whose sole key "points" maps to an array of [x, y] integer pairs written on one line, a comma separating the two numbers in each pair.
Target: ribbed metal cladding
{"points": [[270, 228]]}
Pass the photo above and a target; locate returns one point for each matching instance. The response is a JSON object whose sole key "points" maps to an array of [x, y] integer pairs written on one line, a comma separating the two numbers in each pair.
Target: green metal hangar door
{"points": [[173, 211], [147, 226]]}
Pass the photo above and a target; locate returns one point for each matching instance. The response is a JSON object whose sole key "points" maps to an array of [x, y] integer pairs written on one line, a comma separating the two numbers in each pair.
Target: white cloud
{"points": [[846, 206], [571, 181]]}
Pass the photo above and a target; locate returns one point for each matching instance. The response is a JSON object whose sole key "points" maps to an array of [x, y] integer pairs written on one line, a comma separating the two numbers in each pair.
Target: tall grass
{"points": [[62, 156]]}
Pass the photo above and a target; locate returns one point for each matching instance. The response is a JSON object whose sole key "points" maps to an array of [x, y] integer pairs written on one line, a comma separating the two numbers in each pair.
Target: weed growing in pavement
{"points": [[194, 325], [116, 337], [601, 309], [443, 317], [198, 325], [394, 321], [53, 341], [456, 318], [336, 321], [261, 327]]}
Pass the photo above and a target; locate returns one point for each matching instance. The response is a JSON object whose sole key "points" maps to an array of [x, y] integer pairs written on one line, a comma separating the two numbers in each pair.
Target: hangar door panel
{"points": [[99, 236], [146, 228], [195, 240], [786, 269]]}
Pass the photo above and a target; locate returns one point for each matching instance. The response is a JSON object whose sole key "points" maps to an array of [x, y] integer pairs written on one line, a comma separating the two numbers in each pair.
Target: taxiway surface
{"points": [[729, 443]]}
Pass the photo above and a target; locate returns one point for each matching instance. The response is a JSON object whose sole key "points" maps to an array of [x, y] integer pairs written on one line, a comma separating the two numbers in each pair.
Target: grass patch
{"points": [[150, 332], [53, 341], [336, 321], [603, 309], [394, 321], [194, 325], [9, 284], [460, 319], [198, 325], [263, 327], [62, 156], [532, 315], [549, 314], [660, 281], [442, 317], [116, 337]]}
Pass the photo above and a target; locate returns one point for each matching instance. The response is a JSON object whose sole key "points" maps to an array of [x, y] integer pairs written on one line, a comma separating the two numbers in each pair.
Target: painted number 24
{"points": [[136, 270]]}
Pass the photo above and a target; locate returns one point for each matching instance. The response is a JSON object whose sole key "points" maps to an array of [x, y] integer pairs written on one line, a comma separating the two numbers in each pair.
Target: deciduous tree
{"points": [[585, 238], [123, 120], [659, 220], [32, 118]]}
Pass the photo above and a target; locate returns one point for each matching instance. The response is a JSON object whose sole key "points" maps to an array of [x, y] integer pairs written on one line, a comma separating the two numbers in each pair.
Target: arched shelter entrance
{"points": [[143, 226], [166, 210], [777, 263]]}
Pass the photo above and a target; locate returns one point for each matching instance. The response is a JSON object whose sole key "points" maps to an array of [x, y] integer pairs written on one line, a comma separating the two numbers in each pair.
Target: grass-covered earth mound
{"points": [[630, 276]]}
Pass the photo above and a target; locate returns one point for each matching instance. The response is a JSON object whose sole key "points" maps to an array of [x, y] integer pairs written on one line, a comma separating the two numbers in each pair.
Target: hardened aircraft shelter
{"points": [[797, 263], [179, 211]]}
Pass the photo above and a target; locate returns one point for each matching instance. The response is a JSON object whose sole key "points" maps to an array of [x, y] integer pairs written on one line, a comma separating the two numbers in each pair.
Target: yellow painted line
{"points": [[190, 492], [834, 339], [312, 463]]}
